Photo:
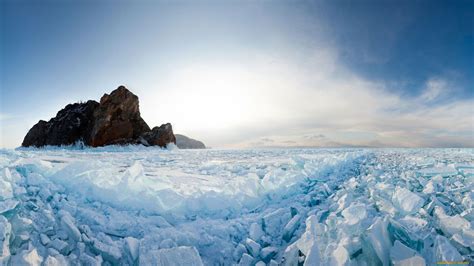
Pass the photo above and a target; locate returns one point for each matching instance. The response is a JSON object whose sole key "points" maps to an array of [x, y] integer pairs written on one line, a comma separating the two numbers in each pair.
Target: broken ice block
{"points": [[273, 263], [27, 258], [314, 257], [312, 234], [6, 190], [401, 255], [8, 205], [406, 201], [256, 231], [340, 256], [444, 251], [291, 256], [291, 227], [57, 260], [44, 239], [179, 256], [399, 232], [268, 253], [168, 243], [68, 224], [355, 213], [451, 225], [59, 245], [431, 187], [414, 224], [442, 171], [238, 251], [109, 252], [377, 241], [246, 260], [5, 233], [253, 247], [274, 222], [132, 245], [464, 242]]}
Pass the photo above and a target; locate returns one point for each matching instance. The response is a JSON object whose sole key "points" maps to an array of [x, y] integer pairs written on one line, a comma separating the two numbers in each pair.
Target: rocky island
{"points": [[114, 120]]}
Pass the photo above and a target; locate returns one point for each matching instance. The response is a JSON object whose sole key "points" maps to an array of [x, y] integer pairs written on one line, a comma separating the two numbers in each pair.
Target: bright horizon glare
{"points": [[249, 73]]}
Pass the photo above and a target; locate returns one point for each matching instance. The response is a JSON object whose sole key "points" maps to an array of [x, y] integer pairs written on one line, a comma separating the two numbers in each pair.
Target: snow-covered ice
{"points": [[149, 206]]}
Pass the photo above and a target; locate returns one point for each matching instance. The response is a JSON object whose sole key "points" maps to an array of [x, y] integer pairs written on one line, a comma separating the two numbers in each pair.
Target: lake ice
{"points": [[149, 206]]}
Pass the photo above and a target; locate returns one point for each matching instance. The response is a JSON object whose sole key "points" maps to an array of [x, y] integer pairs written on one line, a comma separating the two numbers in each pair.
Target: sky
{"points": [[249, 73]]}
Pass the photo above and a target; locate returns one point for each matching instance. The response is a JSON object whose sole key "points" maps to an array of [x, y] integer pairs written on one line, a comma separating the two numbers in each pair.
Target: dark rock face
{"points": [[37, 135], [184, 142], [71, 124], [160, 136], [115, 120]]}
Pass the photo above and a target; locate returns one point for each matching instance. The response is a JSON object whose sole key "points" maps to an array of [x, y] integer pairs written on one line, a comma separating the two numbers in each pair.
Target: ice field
{"points": [[147, 206]]}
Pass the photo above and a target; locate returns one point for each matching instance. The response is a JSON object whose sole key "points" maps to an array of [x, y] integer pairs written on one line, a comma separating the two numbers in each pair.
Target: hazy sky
{"points": [[249, 73]]}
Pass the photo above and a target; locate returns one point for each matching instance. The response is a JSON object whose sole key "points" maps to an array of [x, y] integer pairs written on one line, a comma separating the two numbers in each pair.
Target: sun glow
{"points": [[209, 97]]}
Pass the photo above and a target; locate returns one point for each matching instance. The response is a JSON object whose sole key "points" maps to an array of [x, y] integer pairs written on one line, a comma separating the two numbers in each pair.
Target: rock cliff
{"points": [[115, 120]]}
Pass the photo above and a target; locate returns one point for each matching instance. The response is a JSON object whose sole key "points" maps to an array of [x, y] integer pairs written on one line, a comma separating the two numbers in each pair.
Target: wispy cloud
{"points": [[344, 109], [434, 89]]}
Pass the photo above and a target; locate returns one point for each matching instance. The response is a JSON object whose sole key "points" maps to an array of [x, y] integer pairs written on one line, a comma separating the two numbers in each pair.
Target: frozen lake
{"points": [[136, 205]]}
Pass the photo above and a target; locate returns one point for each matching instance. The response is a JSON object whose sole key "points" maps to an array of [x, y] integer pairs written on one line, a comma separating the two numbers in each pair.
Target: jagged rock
{"points": [[160, 136], [71, 124], [184, 142], [115, 120]]}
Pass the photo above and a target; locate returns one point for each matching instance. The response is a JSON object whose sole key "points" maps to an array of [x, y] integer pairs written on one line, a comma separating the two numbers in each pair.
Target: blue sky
{"points": [[250, 73]]}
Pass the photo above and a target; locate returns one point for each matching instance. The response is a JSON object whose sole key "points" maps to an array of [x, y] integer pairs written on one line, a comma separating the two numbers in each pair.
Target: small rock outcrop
{"points": [[115, 120], [160, 136], [184, 142]]}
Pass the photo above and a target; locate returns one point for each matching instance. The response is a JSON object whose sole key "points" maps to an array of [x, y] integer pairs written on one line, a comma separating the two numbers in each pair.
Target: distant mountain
{"points": [[184, 142]]}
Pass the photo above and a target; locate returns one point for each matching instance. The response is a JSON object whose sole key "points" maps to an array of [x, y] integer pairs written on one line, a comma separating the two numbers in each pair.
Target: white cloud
{"points": [[236, 104], [434, 89]]}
